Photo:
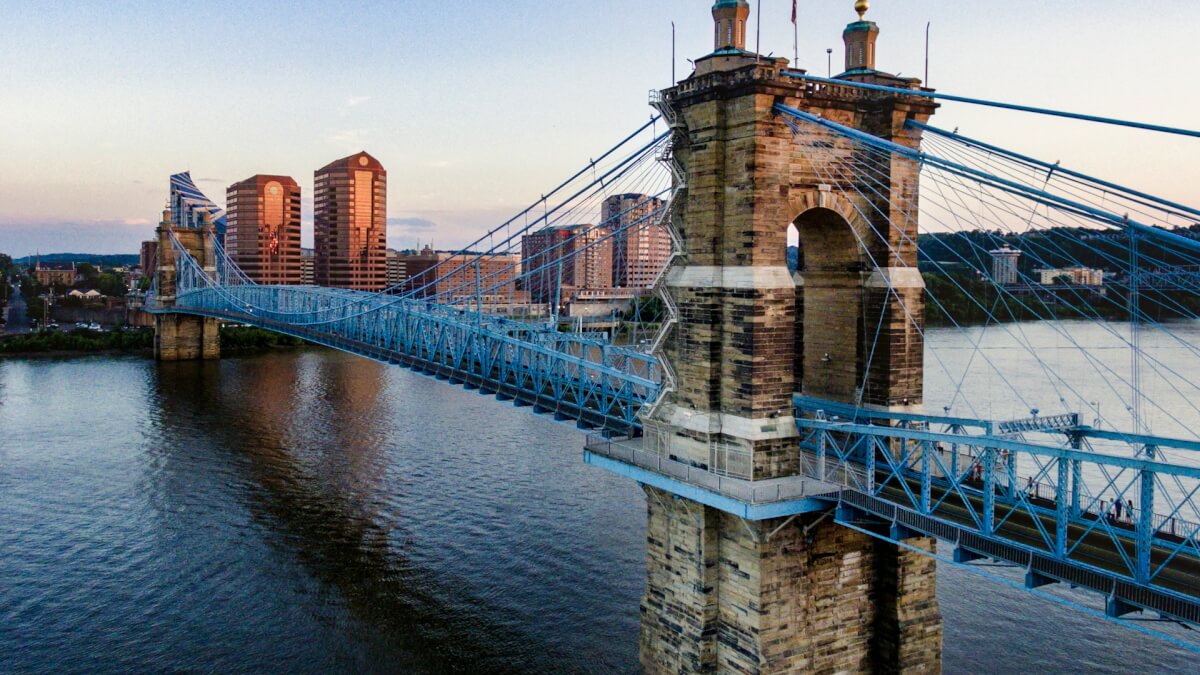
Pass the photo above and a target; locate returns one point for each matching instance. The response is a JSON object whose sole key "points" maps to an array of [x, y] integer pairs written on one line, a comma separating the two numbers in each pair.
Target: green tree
{"points": [[87, 271], [111, 284]]}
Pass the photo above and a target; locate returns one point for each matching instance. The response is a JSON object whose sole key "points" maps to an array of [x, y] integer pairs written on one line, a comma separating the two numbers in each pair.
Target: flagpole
{"points": [[795, 38], [758, 33]]}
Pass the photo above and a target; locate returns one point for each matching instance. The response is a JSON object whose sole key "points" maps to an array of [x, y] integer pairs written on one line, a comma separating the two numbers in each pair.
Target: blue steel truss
{"points": [[597, 384], [1122, 525]]}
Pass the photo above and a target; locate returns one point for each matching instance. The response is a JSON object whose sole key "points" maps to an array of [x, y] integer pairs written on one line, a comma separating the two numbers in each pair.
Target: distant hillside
{"points": [[89, 258]]}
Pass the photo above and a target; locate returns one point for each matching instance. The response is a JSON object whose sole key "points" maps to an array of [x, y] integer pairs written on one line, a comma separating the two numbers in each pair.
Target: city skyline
{"points": [[95, 174], [632, 427]]}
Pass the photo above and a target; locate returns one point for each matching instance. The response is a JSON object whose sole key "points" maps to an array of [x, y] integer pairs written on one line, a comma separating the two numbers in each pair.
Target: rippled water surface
{"points": [[314, 511]]}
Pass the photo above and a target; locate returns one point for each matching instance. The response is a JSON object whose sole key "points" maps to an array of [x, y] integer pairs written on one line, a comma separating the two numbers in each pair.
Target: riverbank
{"points": [[235, 340]]}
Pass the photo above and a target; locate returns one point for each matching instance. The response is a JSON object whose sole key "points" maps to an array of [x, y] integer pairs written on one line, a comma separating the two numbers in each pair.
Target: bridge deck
{"points": [[1179, 575], [1095, 565]]}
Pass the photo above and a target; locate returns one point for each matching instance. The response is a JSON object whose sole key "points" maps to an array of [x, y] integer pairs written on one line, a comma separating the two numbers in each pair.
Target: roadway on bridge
{"points": [[1181, 574]]}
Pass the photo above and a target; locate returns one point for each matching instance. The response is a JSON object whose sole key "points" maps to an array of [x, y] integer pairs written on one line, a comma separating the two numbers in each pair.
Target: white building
{"points": [[1004, 266]]}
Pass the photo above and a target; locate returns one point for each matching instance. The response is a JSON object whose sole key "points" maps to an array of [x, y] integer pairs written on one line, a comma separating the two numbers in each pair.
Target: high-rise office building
{"points": [[148, 260], [397, 267], [263, 232], [350, 224], [306, 266], [566, 259], [641, 245]]}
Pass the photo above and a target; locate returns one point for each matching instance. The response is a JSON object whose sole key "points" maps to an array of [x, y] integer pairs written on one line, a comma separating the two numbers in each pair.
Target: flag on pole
{"points": [[793, 12]]}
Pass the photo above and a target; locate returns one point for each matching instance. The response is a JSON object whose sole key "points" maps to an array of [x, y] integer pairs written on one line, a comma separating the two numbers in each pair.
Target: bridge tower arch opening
{"points": [[734, 588], [829, 270]]}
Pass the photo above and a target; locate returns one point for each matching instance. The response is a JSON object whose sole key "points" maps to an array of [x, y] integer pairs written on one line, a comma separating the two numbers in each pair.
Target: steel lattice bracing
{"points": [[1018, 502], [597, 384]]}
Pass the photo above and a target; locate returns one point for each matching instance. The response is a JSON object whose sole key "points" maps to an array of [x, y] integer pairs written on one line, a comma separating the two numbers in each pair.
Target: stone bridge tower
{"points": [[725, 594], [184, 337]]}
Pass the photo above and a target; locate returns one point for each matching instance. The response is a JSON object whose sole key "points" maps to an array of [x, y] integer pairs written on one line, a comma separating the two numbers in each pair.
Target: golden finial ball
{"points": [[861, 6]]}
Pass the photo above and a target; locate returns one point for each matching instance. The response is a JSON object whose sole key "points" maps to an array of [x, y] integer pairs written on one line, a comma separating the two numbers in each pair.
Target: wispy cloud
{"points": [[412, 224], [351, 103], [351, 139]]}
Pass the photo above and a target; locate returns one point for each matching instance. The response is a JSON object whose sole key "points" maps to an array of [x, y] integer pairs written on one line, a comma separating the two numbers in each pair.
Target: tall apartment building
{"points": [[262, 236], [641, 245], [578, 255], [307, 256], [148, 260], [1004, 266], [350, 224], [397, 267], [452, 277]]}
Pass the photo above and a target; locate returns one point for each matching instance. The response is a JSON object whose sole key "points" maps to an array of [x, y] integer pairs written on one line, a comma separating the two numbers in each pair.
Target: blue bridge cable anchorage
{"points": [[1119, 493], [933, 297], [1055, 250], [869, 171], [1030, 192], [925, 93], [1119, 262], [920, 329], [1053, 168], [1085, 304]]}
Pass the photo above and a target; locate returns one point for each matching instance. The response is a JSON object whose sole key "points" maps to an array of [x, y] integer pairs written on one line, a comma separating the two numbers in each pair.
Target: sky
{"points": [[478, 107]]}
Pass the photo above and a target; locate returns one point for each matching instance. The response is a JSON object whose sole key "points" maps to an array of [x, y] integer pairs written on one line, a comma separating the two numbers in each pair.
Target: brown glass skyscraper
{"points": [[263, 236], [350, 224]]}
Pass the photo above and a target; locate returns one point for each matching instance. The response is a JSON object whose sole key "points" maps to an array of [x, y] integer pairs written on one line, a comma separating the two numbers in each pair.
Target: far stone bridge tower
{"points": [[726, 594], [184, 337]]}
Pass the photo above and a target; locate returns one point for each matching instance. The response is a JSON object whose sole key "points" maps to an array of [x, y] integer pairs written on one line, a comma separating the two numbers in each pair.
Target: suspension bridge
{"points": [[798, 463]]}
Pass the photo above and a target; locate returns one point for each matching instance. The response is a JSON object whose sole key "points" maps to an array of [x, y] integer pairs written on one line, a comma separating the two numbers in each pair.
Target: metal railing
{"points": [[770, 491]]}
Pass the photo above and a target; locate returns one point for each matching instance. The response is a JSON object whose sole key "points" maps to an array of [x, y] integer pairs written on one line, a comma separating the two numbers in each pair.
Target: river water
{"points": [[312, 511]]}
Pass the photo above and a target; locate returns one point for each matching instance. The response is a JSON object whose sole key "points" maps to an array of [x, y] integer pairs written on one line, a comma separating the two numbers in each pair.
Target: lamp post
{"points": [[829, 61]]}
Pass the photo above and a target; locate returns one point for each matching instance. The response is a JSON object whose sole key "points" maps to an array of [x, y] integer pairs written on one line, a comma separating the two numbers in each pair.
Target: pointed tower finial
{"points": [[861, 6]]}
